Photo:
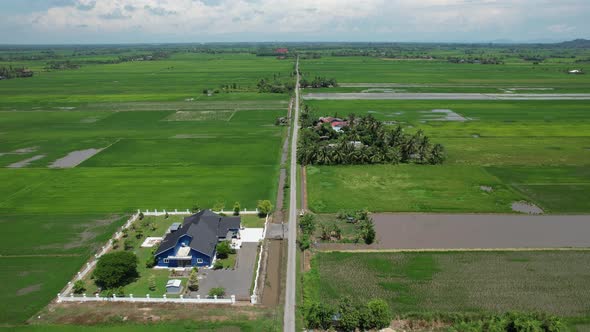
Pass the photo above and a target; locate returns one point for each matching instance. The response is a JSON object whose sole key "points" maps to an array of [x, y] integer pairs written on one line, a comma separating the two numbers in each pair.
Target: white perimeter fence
{"points": [[147, 299], [118, 235]]}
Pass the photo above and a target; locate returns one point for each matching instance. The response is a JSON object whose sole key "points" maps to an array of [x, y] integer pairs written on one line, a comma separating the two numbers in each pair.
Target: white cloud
{"points": [[396, 19], [561, 28]]}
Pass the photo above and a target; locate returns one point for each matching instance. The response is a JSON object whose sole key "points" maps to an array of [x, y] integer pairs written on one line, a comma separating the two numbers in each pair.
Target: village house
{"points": [[194, 242], [336, 123]]}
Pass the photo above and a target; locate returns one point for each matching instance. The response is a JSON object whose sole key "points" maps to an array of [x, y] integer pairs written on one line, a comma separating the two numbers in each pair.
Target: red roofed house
{"points": [[282, 51]]}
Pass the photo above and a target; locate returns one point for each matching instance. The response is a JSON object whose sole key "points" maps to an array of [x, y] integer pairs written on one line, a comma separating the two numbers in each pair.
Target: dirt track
{"points": [[444, 96]]}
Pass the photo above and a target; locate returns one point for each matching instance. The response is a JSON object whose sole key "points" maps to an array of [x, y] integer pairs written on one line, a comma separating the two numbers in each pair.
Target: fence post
{"points": [[58, 297], [215, 297], [97, 295], [131, 296], [72, 295], [198, 297], [233, 299], [84, 295]]}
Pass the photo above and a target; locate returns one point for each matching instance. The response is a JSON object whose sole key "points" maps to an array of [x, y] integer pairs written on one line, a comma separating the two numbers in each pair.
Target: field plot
{"points": [[109, 147], [406, 188], [479, 231], [480, 282], [495, 142], [182, 76], [515, 73]]}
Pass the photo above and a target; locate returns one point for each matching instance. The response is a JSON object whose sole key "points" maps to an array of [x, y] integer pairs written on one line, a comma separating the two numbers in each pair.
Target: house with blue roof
{"points": [[194, 242]]}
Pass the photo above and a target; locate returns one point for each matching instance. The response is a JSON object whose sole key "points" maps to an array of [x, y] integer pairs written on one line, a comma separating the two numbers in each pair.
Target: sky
{"points": [[174, 21]]}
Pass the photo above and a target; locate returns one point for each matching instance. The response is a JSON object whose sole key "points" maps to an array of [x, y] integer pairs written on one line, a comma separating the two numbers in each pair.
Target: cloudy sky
{"points": [[138, 21]]}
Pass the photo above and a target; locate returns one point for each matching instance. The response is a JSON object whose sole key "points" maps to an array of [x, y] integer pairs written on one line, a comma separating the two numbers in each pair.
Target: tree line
{"points": [[61, 65], [318, 82], [348, 315], [276, 84], [365, 140], [14, 72]]}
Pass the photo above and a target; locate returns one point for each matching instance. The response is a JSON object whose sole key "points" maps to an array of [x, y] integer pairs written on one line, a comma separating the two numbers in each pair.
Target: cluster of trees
{"points": [[14, 72], [277, 84], [264, 207], [154, 56], [116, 269], [61, 65], [511, 322], [307, 224], [318, 82], [481, 60], [364, 223], [365, 228], [348, 315], [364, 141]]}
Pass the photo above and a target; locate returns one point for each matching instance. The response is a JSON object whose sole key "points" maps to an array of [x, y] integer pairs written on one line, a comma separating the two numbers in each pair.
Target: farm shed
{"points": [[173, 286]]}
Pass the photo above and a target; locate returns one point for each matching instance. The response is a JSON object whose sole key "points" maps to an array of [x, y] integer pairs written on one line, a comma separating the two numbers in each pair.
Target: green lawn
{"points": [[478, 282], [140, 287], [252, 221]]}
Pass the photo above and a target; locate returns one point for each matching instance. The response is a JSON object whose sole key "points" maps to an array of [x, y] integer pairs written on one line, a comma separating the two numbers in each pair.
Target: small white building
{"points": [[174, 286], [575, 71]]}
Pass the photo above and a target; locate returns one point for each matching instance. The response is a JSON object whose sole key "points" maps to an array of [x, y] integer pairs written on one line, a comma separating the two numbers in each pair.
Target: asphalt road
{"points": [[447, 96], [289, 319]]}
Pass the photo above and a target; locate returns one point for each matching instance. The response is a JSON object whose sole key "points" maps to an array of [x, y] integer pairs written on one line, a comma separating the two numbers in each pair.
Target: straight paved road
{"points": [[446, 96], [289, 320]]}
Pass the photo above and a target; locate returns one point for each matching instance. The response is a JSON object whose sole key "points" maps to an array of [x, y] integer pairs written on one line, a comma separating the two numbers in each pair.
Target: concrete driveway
{"points": [[236, 282]]}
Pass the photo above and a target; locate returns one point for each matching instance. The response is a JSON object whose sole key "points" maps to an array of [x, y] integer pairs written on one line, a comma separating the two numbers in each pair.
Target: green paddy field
{"points": [[456, 282], [162, 143], [526, 150]]}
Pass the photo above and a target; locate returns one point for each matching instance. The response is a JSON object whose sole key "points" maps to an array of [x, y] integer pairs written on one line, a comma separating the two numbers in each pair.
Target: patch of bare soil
{"points": [[306, 261], [417, 325], [449, 115], [28, 290], [109, 312], [487, 189], [526, 207], [187, 136], [74, 158], [271, 291], [26, 150], [26, 162], [91, 119]]}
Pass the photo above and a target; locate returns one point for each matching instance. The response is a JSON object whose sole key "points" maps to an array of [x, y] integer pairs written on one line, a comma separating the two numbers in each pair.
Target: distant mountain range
{"points": [[577, 43]]}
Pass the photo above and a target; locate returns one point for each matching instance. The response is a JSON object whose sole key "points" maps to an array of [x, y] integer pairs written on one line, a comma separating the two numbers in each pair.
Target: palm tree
{"points": [[424, 148], [437, 155]]}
